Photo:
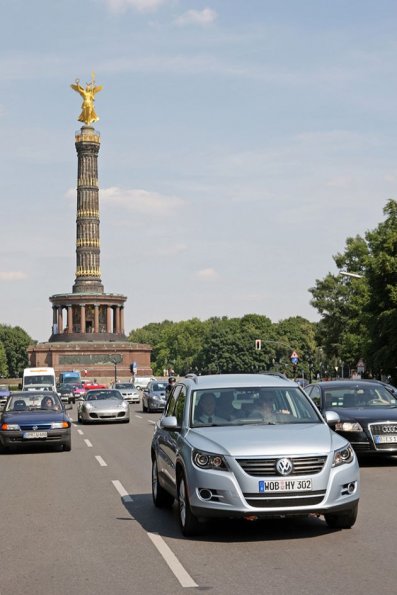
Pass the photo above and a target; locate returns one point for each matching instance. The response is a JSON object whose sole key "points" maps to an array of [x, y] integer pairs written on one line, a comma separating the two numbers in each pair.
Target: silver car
{"points": [[103, 404], [250, 446], [129, 391], [153, 396]]}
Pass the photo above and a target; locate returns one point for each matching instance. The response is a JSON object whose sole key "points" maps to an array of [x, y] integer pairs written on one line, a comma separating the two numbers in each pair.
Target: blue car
{"points": [[35, 417]]}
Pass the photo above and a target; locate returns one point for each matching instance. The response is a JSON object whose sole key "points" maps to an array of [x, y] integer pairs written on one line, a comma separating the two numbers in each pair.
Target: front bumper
{"points": [[236, 494], [16, 438], [103, 416]]}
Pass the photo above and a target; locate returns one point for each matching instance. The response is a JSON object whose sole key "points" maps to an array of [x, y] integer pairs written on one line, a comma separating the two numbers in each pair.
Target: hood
{"points": [[366, 415], [248, 440], [23, 418]]}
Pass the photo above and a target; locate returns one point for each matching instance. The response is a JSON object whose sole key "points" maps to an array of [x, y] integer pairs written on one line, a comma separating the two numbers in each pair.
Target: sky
{"points": [[242, 143]]}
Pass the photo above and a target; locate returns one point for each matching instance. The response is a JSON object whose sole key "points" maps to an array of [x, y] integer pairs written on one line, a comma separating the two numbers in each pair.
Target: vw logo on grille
{"points": [[35, 427], [284, 466]]}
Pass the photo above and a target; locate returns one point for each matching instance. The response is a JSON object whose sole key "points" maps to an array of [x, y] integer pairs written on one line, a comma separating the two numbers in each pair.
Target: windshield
{"points": [[349, 396], [34, 402], [159, 386], [102, 395], [241, 406], [125, 385], [40, 379]]}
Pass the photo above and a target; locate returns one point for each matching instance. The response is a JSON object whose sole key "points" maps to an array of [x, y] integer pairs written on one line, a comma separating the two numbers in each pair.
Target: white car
{"points": [[143, 381], [129, 391]]}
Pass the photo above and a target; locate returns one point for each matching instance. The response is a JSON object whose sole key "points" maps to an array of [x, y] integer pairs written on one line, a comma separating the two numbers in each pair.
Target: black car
{"points": [[35, 417], [367, 413]]}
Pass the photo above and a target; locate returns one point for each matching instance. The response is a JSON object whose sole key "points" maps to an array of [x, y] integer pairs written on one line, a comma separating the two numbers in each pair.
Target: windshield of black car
{"points": [[251, 405], [354, 396], [102, 395]]}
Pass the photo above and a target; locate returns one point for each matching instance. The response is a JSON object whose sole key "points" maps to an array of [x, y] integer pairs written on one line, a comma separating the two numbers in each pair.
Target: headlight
{"points": [[88, 406], [205, 460], [56, 425], [348, 426], [10, 427], [343, 455]]}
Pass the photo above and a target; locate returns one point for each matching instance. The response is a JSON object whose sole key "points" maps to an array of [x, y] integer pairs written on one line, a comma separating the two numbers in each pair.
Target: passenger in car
{"points": [[205, 409]]}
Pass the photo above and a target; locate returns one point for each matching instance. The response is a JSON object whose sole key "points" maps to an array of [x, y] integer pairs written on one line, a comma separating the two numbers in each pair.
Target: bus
{"points": [[70, 376], [39, 379]]}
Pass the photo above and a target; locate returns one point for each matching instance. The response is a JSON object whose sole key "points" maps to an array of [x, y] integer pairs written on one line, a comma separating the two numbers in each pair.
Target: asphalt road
{"points": [[83, 523]]}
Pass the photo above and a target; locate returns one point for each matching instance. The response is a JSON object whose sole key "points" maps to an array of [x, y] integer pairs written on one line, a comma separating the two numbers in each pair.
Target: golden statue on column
{"points": [[88, 115]]}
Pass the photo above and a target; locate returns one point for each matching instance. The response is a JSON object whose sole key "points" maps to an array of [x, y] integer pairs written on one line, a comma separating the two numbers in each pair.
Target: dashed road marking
{"points": [[138, 416], [101, 461], [122, 491], [169, 557], [88, 443], [80, 432], [150, 421]]}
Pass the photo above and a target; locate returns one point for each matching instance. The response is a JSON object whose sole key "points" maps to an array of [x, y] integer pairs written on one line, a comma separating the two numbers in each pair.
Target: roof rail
{"points": [[192, 376], [279, 374]]}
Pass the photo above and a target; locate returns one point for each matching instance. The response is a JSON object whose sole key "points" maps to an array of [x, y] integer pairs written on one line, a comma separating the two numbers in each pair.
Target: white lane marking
{"points": [[150, 421], [88, 443], [101, 461], [80, 432], [138, 416], [169, 557], [122, 491]]}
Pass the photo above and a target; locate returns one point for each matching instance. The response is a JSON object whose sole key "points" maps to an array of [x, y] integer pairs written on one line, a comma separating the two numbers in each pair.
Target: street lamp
{"points": [[115, 359], [355, 275]]}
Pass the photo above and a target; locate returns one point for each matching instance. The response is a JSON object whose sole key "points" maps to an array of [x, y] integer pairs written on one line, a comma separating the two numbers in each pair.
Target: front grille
{"points": [[285, 500], [35, 427], [266, 467], [387, 431]]}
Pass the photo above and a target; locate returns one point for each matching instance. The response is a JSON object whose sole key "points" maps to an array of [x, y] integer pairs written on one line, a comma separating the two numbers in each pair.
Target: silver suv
{"points": [[250, 446]]}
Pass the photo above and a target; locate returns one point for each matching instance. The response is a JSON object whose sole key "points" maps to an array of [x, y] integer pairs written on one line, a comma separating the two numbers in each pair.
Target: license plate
{"points": [[385, 439], [285, 485], [29, 435]]}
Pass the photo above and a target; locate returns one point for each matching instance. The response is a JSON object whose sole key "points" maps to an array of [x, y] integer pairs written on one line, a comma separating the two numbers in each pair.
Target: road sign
{"points": [[294, 357], [258, 344]]}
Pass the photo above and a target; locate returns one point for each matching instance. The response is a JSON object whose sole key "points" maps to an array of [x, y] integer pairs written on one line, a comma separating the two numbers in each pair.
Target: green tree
{"points": [[382, 304], [341, 300], [15, 342], [3, 362]]}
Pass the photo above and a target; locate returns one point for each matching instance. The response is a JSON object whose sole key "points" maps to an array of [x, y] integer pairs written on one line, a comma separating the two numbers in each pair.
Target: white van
{"points": [[39, 379]]}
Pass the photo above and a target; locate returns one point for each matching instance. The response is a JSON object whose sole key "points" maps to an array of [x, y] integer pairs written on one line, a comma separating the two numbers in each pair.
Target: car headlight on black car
{"points": [[343, 456], [348, 426], [205, 460]]}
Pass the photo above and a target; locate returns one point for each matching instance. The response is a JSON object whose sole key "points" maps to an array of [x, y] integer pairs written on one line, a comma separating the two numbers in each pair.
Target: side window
{"points": [[180, 405], [314, 394], [170, 406]]}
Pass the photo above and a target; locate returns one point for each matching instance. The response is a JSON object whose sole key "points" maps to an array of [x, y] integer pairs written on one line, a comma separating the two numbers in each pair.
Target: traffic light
{"points": [[258, 344]]}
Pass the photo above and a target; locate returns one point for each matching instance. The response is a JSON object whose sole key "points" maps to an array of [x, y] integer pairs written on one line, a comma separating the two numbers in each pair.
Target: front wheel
{"points": [[342, 520], [67, 446], [161, 498], [187, 521]]}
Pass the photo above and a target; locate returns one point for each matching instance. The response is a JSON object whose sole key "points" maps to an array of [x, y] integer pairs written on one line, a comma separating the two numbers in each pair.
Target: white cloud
{"points": [[197, 17], [141, 201], [208, 273], [139, 5], [12, 275]]}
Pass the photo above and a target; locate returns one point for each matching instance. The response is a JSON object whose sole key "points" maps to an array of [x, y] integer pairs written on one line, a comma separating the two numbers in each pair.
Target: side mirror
{"points": [[169, 423], [331, 417]]}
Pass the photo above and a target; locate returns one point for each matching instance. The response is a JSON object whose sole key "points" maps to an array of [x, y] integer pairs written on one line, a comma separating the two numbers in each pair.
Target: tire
{"points": [[188, 523], [342, 520], [144, 408], [161, 498], [67, 446]]}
